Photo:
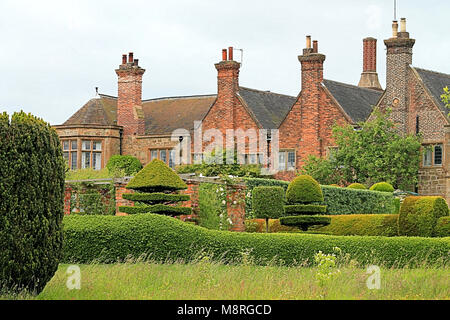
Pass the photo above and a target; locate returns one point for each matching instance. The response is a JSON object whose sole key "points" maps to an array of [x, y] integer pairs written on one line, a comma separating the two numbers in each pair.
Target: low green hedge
{"points": [[293, 209], [107, 239], [418, 215], [156, 208], [443, 227], [304, 220], [155, 197], [361, 225], [338, 200]]}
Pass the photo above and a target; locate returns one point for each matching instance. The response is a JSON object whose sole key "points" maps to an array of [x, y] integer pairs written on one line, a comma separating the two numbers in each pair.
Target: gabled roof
{"points": [[435, 83], [357, 102], [268, 108]]}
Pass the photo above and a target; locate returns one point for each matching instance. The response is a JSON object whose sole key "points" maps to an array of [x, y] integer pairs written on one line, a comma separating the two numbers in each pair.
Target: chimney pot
{"points": [[230, 53], [136, 62], [403, 25], [308, 42], [315, 46], [124, 59], [224, 54], [130, 57], [394, 29]]}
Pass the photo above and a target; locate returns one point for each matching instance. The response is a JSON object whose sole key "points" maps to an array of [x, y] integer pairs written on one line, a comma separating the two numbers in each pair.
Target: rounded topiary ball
{"points": [[304, 189], [357, 186], [383, 187]]}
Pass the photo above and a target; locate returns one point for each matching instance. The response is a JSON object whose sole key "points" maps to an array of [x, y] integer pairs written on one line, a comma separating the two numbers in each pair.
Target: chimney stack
{"points": [[129, 100], [369, 76]]}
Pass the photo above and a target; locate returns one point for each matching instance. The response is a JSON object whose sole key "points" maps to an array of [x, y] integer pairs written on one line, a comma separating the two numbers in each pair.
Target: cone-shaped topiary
{"points": [[153, 185], [156, 176], [303, 194], [383, 187], [304, 189], [357, 186]]}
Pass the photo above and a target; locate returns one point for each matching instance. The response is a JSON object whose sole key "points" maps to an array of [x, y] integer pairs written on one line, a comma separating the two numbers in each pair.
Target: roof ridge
{"points": [[182, 97], [432, 71], [106, 95], [354, 86], [266, 91]]}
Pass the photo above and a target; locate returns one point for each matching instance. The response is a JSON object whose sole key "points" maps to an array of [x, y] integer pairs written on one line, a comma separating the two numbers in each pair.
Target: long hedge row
{"points": [[108, 239], [338, 200]]}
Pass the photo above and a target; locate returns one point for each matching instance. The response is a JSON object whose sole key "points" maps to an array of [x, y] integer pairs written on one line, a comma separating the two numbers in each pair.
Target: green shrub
{"points": [[88, 173], [107, 239], [357, 186], [32, 171], [268, 203], [304, 208], [304, 189], [418, 215], [127, 164], [157, 208], [156, 197], [212, 206], [305, 221], [151, 183], [397, 204], [338, 200], [383, 187], [443, 227], [361, 225]]}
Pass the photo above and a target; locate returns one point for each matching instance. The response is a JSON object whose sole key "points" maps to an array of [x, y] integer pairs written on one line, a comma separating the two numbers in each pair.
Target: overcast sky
{"points": [[54, 53]]}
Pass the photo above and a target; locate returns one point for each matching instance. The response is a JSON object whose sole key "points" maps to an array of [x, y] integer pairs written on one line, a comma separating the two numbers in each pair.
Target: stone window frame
{"points": [[70, 151], [286, 166], [168, 152], [92, 150], [431, 148]]}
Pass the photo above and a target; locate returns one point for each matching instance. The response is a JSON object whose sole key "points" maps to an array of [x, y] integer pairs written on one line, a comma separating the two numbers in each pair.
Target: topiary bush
{"points": [[32, 170], [357, 186], [127, 164], [303, 195], [268, 203], [153, 184], [108, 239], [419, 215], [383, 187], [443, 227]]}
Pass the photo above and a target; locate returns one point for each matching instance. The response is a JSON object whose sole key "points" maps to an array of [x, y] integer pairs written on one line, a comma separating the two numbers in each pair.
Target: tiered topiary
{"points": [[357, 186], [304, 196], [383, 187], [268, 203], [155, 186]]}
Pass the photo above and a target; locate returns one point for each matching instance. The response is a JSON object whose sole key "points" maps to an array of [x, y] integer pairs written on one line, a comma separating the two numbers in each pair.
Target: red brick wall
{"points": [[120, 188], [67, 197]]}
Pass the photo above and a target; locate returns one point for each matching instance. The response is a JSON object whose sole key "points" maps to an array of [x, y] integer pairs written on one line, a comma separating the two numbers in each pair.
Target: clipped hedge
{"points": [[361, 225], [156, 208], [418, 215], [107, 239], [357, 186], [268, 202], [128, 164], [304, 189], [156, 197], [304, 221], [443, 227], [383, 187], [338, 200], [304, 208]]}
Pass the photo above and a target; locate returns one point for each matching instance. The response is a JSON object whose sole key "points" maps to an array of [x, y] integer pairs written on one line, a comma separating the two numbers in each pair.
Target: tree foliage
{"points": [[31, 202], [376, 152], [446, 98]]}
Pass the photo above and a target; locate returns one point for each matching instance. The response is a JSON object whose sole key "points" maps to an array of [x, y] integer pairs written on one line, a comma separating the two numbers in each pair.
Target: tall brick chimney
{"points": [[369, 76], [227, 85], [129, 102], [398, 59], [312, 77]]}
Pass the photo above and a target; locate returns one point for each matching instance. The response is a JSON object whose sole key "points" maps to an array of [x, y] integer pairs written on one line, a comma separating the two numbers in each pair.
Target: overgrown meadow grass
{"points": [[205, 279]]}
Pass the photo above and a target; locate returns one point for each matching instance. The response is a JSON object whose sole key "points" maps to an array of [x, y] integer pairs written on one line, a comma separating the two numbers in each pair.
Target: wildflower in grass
{"points": [[326, 267]]}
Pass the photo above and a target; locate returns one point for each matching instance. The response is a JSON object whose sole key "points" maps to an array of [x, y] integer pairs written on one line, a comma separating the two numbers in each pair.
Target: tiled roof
{"points": [[97, 111], [268, 108], [357, 102], [435, 82]]}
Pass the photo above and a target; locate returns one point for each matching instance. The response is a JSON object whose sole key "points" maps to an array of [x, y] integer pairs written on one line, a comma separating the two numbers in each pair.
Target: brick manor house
{"points": [[126, 124]]}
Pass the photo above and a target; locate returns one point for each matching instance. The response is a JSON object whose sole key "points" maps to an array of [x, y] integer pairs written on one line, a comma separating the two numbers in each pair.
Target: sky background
{"points": [[54, 53]]}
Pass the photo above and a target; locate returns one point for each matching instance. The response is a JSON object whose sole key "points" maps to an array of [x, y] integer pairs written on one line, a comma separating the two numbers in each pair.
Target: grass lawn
{"points": [[205, 280]]}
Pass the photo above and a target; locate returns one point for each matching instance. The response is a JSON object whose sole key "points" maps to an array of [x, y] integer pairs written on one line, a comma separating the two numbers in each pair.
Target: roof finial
{"points": [[96, 92]]}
